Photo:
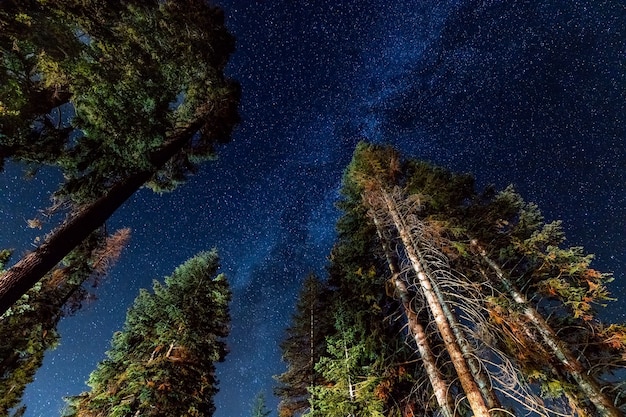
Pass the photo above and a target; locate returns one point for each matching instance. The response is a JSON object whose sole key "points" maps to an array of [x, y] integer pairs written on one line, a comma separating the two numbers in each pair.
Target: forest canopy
{"points": [[114, 95], [439, 300], [163, 362], [444, 301]]}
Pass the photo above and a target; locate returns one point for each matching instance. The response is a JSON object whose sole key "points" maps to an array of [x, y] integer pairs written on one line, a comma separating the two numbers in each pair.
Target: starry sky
{"points": [[531, 93]]}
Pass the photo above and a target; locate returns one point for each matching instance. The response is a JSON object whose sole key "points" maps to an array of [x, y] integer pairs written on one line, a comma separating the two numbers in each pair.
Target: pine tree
{"points": [[163, 362], [29, 328], [351, 387], [258, 408], [30, 33], [302, 347], [148, 98], [497, 311], [367, 369]]}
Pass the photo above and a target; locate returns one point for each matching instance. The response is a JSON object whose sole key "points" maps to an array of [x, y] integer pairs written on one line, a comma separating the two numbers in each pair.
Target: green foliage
{"points": [[134, 72], [361, 368], [5, 255], [373, 166], [29, 328], [364, 346], [258, 408], [30, 37], [351, 385], [163, 362], [303, 345], [442, 191], [382, 166], [115, 95]]}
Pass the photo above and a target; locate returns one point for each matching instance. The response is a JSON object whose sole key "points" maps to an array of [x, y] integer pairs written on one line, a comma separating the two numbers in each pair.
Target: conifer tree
{"points": [[29, 328], [416, 327], [302, 346], [163, 361], [259, 408], [351, 387], [509, 315], [367, 367], [148, 100]]}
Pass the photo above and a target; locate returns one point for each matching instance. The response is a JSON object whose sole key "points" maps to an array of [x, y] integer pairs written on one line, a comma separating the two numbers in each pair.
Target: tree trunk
{"points": [[351, 390], [472, 391], [435, 377], [18, 279], [478, 372], [586, 382], [312, 341]]}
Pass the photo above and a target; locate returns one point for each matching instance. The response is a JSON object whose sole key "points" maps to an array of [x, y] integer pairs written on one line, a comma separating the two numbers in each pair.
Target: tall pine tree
{"points": [[367, 369], [148, 101], [163, 362], [502, 318], [302, 347], [29, 328]]}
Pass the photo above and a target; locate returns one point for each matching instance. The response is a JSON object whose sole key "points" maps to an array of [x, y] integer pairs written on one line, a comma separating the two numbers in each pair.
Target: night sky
{"points": [[525, 92]]}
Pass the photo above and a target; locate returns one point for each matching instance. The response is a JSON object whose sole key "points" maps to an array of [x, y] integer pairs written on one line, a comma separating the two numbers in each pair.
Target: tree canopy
{"points": [[133, 72], [29, 328], [450, 302], [115, 96], [163, 361]]}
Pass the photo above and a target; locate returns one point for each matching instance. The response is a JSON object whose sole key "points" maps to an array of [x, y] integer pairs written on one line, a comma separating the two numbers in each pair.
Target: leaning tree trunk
{"points": [[572, 365], [478, 371], [18, 279], [470, 387], [416, 329]]}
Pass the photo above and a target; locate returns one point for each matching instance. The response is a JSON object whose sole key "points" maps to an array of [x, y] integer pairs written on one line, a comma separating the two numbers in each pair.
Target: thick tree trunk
{"points": [[478, 372], [470, 387], [435, 377], [18, 279], [571, 364], [416, 329]]}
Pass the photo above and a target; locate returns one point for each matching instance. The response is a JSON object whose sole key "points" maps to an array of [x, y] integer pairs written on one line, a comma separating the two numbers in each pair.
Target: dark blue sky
{"points": [[529, 93]]}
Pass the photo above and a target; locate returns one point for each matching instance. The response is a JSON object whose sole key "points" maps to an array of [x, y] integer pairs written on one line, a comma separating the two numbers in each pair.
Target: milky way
{"points": [[529, 93]]}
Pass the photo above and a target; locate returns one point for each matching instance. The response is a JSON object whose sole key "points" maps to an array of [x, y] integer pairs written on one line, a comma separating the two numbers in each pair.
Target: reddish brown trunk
{"points": [[17, 280], [470, 387]]}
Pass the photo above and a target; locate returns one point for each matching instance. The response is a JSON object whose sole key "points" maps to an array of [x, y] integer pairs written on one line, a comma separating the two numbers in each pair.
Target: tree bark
{"points": [[435, 377], [478, 372], [572, 365], [470, 387], [416, 329], [18, 279]]}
